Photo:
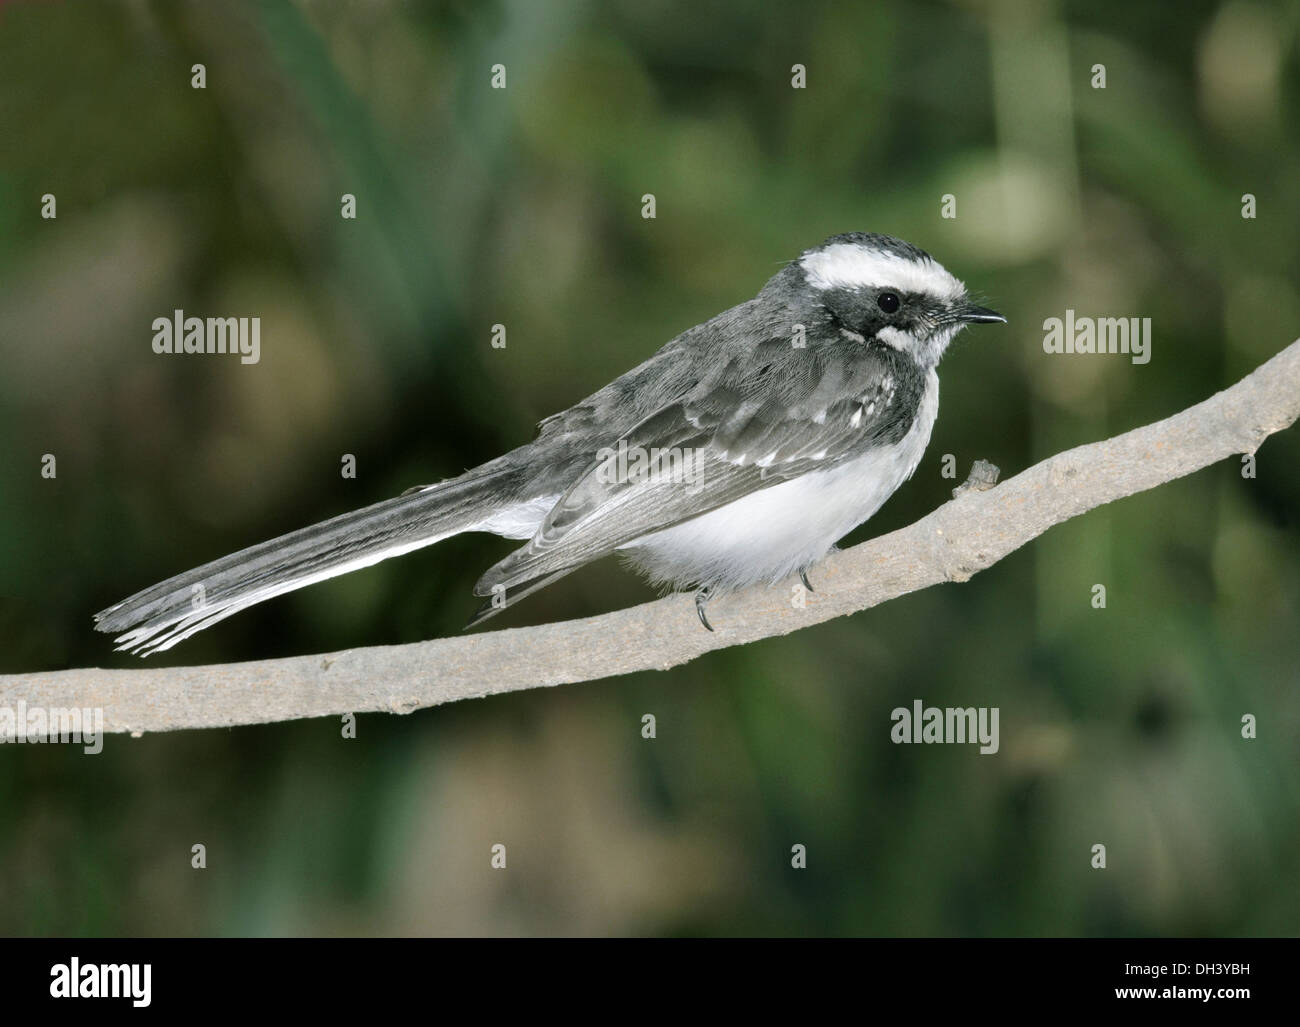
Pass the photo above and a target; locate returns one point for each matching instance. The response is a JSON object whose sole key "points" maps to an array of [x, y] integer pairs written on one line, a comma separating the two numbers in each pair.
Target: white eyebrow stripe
{"points": [[849, 265]]}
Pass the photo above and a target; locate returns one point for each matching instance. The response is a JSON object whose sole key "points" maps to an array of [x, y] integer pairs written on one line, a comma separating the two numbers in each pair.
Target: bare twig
{"points": [[972, 532]]}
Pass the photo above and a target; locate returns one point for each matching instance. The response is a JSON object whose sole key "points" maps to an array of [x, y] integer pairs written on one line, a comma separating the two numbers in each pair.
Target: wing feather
{"points": [[735, 433]]}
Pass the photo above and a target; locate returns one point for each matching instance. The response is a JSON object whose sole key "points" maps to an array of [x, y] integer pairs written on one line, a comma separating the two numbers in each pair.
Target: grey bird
{"points": [[739, 453]]}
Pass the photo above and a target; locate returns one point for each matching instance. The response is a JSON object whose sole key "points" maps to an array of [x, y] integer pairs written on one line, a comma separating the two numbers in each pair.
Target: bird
{"points": [[787, 421]]}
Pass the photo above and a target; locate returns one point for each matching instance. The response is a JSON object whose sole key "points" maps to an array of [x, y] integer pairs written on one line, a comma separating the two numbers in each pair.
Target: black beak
{"points": [[971, 314]]}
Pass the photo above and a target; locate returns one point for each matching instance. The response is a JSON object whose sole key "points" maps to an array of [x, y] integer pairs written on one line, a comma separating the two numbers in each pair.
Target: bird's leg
{"points": [[702, 597], [803, 576]]}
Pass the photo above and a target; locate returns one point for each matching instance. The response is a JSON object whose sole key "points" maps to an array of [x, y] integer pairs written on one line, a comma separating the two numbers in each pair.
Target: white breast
{"points": [[771, 534]]}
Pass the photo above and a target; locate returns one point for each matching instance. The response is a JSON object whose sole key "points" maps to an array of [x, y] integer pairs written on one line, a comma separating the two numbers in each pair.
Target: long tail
{"points": [[158, 617]]}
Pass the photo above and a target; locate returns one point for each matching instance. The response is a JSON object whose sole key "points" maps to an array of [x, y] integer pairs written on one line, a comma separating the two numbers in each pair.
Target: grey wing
{"points": [[753, 424]]}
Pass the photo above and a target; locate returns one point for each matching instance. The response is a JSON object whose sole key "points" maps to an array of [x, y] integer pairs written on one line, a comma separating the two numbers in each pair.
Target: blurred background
{"points": [[522, 206]]}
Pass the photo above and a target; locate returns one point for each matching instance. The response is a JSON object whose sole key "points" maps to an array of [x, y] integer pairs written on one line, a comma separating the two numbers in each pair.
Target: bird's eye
{"points": [[888, 302]]}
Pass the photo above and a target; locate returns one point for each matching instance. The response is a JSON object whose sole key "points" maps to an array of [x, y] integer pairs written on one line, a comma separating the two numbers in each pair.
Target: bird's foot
{"points": [[702, 597]]}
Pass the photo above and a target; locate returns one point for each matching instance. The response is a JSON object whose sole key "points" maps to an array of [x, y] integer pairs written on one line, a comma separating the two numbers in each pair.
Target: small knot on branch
{"points": [[983, 476]]}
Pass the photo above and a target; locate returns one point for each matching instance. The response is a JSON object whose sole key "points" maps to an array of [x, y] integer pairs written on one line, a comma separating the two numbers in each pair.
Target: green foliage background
{"points": [[477, 206]]}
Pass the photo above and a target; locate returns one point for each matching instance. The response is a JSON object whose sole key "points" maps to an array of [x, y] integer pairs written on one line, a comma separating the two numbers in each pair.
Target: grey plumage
{"points": [[736, 414], [758, 401]]}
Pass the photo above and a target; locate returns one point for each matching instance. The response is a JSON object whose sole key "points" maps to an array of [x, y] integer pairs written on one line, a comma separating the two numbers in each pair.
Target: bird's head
{"points": [[875, 287]]}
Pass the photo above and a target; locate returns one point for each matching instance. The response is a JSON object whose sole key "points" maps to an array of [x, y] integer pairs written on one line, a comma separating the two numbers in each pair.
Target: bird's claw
{"points": [[702, 597]]}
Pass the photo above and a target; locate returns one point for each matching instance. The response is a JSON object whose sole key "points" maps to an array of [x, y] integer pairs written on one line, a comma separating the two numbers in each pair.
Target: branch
{"points": [[961, 538]]}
